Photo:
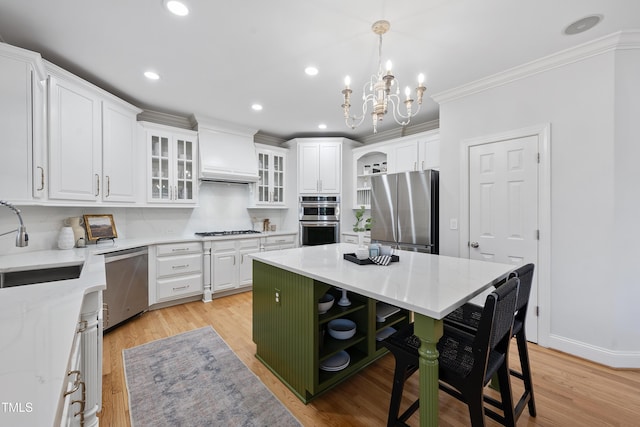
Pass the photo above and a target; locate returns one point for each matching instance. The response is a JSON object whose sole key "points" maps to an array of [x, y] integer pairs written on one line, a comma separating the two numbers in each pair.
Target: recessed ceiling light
{"points": [[582, 25], [322, 126], [151, 75], [256, 107], [311, 71], [177, 7]]}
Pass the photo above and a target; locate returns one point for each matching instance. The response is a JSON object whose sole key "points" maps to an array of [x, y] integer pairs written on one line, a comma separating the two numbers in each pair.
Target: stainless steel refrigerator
{"points": [[404, 210]]}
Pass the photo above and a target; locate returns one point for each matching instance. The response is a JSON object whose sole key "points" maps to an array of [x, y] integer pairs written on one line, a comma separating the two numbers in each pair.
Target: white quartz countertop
{"points": [[432, 285], [38, 324], [120, 244]]}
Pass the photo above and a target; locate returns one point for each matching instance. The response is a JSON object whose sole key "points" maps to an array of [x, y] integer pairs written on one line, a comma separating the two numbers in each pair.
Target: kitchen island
{"points": [[288, 330]]}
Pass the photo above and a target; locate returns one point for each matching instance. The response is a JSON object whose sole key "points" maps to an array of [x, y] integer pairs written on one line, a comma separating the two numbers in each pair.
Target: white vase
{"points": [[75, 222], [65, 238], [360, 239]]}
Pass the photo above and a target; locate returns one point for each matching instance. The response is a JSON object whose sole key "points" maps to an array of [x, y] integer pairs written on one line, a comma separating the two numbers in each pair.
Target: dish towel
{"points": [[381, 260]]}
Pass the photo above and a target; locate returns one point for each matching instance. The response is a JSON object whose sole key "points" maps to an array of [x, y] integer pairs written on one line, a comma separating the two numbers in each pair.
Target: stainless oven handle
{"points": [[319, 224], [319, 204]]}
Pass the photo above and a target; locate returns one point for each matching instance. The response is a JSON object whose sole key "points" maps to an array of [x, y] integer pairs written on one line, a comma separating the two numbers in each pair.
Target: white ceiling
{"points": [[225, 56]]}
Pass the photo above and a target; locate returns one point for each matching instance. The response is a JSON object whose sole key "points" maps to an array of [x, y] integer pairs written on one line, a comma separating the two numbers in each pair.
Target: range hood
{"points": [[227, 153]]}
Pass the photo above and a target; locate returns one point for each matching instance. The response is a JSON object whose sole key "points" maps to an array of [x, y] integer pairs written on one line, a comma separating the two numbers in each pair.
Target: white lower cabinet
{"points": [[274, 243], [73, 388], [349, 238], [83, 391], [175, 271], [232, 267], [353, 238]]}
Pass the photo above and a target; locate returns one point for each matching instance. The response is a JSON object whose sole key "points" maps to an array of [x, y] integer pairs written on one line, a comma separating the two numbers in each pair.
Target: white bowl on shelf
{"points": [[325, 303], [342, 329]]}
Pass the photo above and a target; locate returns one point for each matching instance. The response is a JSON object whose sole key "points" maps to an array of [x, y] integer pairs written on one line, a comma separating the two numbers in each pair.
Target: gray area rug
{"points": [[195, 379]]}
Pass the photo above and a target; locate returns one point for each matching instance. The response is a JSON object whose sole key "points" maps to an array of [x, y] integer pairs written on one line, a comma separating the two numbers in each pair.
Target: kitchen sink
{"points": [[41, 275]]}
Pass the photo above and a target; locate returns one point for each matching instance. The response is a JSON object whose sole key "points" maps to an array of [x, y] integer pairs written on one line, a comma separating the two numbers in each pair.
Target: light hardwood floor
{"points": [[569, 391]]}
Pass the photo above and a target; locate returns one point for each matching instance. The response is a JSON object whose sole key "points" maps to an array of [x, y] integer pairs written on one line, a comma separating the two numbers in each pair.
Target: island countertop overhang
{"points": [[432, 285]]}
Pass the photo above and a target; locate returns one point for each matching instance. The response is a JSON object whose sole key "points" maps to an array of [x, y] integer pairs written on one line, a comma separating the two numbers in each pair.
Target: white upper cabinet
{"points": [[319, 165], [171, 165], [429, 152], [418, 152], [74, 140], [92, 147], [120, 156], [22, 126], [270, 188], [404, 157]]}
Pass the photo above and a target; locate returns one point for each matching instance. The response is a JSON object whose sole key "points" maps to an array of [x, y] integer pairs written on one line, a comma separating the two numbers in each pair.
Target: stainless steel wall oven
{"points": [[319, 220]]}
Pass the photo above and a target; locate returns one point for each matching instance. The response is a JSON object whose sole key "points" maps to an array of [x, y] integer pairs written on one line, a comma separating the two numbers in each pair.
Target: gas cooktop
{"points": [[225, 233]]}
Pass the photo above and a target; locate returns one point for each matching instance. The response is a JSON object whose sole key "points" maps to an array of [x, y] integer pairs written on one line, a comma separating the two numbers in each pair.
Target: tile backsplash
{"points": [[222, 206]]}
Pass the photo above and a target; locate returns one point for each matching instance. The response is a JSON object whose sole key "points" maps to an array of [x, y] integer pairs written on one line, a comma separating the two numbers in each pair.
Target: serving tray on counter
{"points": [[353, 258]]}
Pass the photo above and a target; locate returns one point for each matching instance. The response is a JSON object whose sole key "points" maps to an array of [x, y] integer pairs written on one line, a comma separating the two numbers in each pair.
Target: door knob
{"points": [[474, 244]]}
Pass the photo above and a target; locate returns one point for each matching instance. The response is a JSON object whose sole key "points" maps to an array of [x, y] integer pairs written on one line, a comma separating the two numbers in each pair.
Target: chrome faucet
{"points": [[22, 238]]}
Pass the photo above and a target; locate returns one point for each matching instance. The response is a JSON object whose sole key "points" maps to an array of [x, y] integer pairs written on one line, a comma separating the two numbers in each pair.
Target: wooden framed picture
{"points": [[100, 226]]}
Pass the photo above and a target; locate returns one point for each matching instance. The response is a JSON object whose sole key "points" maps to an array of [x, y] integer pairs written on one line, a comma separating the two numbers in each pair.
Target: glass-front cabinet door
{"points": [[264, 161], [278, 179], [185, 170], [160, 167], [172, 165], [271, 173]]}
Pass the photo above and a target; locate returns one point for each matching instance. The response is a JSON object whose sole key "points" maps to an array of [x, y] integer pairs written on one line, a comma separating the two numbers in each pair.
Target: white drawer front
{"points": [[347, 238], [223, 245], [280, 240], [186, 264], [168, 289], [249, 244], [179, 248]]}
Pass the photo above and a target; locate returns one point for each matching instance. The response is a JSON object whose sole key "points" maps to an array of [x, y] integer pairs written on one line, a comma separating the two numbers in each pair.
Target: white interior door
{"points": [[503, 207]]}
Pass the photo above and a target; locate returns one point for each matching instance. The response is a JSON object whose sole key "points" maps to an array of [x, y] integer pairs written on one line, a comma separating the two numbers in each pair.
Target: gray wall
{"points": [[590, 101]]}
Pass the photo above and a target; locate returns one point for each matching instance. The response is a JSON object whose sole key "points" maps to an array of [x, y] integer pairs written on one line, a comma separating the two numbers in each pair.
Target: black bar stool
{"points": [[466, 362], [466, 318]]}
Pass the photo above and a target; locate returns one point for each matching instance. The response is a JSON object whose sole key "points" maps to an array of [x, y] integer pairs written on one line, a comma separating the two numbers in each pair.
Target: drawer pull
{"points": [[179, 249], [82, 325], [41, 178], [179, 288], [175, 267], [82, 403], [76, 382]]}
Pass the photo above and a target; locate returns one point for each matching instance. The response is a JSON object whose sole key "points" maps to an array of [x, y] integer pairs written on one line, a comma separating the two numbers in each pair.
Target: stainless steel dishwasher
{"points": [[127, 292]]}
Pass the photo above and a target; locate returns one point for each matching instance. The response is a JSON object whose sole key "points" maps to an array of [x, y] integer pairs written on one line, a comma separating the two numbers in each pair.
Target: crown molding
{"points": [[21, 54], [628, 39], [400, 131], [262, 138], [165, 119]]}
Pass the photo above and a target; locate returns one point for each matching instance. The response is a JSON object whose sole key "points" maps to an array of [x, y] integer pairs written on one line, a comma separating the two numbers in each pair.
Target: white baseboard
{"points": [[604, 356]]}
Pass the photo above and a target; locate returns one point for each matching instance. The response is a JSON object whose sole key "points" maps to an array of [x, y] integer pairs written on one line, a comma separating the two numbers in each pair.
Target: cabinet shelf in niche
{"points": [[357, 358], [330, 346], [391, 321], [337, 311]]}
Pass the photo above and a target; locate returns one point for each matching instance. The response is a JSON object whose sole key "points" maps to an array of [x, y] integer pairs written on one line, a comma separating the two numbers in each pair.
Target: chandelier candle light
{"points": [[379, 92]]}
